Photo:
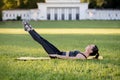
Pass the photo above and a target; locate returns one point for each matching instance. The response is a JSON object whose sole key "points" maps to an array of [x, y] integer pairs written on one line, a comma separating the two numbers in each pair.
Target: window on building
{"points": [[48, 16], [63, 17], [70, 16], [77, 16], [116, 15], [6, 15], [9, 15], [15, 15], [27, 15], [24, 15], [55, 16], [70, 13]]}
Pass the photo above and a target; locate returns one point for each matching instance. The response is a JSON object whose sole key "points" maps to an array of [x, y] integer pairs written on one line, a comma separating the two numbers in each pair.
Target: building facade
{"points": [[62, 10], [51, 10]]}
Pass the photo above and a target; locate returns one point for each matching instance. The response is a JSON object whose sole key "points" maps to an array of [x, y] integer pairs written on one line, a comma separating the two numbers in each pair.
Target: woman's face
{"points": [[89, 48]]}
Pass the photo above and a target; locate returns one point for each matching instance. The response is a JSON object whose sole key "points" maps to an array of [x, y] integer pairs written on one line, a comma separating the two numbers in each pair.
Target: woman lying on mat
{"points": [[53, 52]]}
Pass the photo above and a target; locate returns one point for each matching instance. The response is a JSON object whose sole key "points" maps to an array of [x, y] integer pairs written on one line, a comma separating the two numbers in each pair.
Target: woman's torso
{"points": [[71, 53]]}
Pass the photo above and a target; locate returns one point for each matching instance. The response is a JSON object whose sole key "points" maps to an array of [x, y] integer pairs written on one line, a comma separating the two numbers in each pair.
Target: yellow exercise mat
{"points": [[93, 57], [32, 58], [48, 58]]}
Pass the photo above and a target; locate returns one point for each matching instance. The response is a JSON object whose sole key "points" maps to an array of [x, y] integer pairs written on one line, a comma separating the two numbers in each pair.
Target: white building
{"points": [[13, 14], [62, 10], [103, 14], [51, 10]]}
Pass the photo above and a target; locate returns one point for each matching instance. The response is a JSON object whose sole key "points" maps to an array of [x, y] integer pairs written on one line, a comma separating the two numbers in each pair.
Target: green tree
{"points": [[114, 4], [33, 3], [20, 3], [92, 4], [84, 1], [9, 4], [99, 3], [1, 5]]}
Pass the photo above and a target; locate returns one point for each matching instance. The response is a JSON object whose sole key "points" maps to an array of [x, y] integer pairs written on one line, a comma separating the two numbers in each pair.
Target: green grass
{"points": [[13, 46], [63, 24]]}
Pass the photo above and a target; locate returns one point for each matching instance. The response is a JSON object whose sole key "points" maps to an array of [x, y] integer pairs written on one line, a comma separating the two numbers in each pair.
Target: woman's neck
{"points": [[86, 54]]}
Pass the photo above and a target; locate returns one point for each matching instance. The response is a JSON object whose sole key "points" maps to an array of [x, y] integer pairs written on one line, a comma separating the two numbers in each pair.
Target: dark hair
{"points": [[95, 52]]}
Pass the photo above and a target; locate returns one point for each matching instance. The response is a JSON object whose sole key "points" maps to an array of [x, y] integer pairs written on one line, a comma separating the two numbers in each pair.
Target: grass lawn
{"points": [[63, 24], [13, 46]]}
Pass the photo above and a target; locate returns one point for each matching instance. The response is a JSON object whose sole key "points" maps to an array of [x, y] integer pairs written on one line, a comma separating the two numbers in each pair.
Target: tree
{"points": [[9, 4], [92, 4], [20, 3], [33, 3], [1, 5], [117, 4], [99, 3], [114, 4], [84, 1]]}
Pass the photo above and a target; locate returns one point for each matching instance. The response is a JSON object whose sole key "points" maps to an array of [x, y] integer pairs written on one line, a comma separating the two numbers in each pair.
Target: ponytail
{"points": [[97, 56]]}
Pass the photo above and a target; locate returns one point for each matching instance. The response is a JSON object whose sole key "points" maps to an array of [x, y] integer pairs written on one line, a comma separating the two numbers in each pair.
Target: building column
{"points": [[66, 14], [59, 13], [73, 13], [52, 13]]}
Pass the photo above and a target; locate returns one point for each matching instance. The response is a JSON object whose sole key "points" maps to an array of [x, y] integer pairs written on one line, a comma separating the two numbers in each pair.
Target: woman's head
{"points": [[92, 50]]}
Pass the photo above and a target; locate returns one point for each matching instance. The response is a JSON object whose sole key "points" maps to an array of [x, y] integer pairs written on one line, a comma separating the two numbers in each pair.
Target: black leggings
{"points": [[49, 48]]}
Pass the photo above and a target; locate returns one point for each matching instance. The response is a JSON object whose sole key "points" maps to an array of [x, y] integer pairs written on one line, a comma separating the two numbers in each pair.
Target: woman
{"points": [[53, 52]]}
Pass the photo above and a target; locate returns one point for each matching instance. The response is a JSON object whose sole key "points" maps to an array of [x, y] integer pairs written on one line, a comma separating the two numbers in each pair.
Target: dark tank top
{"points": [[73, 53]]}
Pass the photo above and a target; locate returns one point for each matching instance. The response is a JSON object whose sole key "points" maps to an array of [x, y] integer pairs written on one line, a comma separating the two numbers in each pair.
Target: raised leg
{"points": [[49, 48]]}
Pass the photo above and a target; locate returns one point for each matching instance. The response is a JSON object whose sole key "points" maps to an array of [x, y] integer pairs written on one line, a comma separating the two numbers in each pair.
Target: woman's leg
{"points": [[49, 48]]}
